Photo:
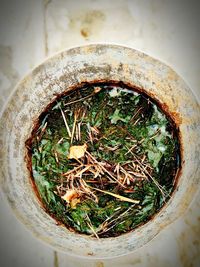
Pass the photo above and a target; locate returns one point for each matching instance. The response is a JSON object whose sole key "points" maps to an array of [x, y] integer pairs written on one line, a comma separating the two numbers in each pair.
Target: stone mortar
{"points": [[60, 73]]}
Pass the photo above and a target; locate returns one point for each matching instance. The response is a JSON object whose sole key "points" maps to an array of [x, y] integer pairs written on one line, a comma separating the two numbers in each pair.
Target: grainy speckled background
{"points": [[32, 30]]}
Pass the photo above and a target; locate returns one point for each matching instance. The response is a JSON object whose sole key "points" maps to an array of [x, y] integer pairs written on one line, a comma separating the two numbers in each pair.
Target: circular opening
{"points": [[104, 158]]}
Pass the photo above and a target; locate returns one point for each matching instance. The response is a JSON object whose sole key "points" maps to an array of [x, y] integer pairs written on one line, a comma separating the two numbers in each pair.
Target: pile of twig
{"points": [[88, 170]]}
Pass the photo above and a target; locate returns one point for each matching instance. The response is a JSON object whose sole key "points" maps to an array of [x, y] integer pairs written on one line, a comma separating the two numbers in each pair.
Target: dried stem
{"points": [[65, 121], [91, 226], [73, 129], [108, 224], [162, 190], [104, 169], [122, 198]]}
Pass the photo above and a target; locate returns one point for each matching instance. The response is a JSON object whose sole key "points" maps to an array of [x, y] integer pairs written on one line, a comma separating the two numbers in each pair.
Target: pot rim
{"points": [[155, 223]]}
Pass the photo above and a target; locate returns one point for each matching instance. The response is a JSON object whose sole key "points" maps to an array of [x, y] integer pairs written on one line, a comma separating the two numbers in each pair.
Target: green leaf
{"points": [[57, 106], [154, 157], [116, 116], [147, 208], [124, 226], [152, 129], [62, 148], [45, 188]]}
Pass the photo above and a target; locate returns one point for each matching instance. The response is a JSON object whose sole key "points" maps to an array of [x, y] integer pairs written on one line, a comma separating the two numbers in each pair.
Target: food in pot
{"points": [[105, 159]]}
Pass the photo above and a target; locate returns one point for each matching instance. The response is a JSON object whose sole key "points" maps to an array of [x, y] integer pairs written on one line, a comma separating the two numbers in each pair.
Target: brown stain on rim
{"points": [[87, 22], [173, 117], [188, 250], [84, 33]]}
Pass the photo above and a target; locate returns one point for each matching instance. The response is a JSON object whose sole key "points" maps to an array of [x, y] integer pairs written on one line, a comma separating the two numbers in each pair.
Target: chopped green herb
{"points": [[104, 159]]}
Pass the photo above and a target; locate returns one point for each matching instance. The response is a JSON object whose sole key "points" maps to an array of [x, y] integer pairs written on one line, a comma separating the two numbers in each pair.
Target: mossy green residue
{"points": [[132, 151]]}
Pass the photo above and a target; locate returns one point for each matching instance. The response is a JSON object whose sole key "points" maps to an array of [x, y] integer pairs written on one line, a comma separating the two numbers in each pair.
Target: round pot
{"points": [[68, 70]]}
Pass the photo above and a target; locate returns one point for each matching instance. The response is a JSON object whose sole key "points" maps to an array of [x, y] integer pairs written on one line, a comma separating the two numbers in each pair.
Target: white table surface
{"points": [[32, 30]]}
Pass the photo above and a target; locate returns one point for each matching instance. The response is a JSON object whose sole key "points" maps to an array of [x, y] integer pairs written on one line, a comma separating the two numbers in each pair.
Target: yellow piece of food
{"points": [[70, 195], [77, 152], [74, 202]]}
